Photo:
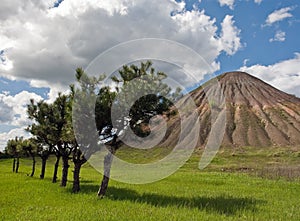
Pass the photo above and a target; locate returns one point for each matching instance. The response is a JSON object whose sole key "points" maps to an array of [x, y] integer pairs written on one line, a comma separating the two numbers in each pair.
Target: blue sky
{"points": [[14, 87], [250, 18], [42, 42]]}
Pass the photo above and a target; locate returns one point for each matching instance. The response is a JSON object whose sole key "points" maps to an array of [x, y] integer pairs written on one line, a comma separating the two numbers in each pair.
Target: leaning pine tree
{"points": [[62, 131], [141, 96], [94, 102], [39, 113], [50, 128], [85, 96]]}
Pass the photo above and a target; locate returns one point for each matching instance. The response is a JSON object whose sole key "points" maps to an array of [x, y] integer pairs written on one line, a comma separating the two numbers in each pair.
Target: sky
{"points": [[42, 42]]}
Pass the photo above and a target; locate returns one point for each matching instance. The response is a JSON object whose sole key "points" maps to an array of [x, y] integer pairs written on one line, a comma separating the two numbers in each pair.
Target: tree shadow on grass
{"points": [[222, 204], [85, 187], [85, 181]]}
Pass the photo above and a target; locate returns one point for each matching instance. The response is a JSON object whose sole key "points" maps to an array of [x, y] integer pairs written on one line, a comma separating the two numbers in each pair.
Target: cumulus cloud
{"points": [[279, 15], [14, 108], [279, 36], [44, 44], [230, 40], [6, 112], [55, 88], [229, 3], [47, 44], [14, 113], [4, 137], [284, 75]]}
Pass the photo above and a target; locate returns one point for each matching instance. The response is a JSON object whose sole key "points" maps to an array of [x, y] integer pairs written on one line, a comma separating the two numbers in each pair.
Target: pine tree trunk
{"points": [[54, 179], [76, 178], [65, 169], [33, 165], [14, 164], [18, 164], [44, 160], [107, 166]]}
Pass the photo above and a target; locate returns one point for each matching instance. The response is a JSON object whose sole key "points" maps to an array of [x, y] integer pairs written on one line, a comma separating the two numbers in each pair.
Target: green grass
{"points": [[189, 194]]}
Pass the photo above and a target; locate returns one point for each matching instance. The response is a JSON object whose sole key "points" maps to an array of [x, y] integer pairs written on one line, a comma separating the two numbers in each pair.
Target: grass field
{"points": [[189, 194]]}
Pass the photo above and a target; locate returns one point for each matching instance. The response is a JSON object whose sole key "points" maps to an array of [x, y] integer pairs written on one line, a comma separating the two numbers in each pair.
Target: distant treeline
{"points": [[4, 155]]}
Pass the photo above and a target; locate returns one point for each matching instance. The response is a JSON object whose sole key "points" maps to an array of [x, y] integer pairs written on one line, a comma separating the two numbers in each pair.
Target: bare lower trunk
{"points": [[33, 166], [18, 164], [76, 177], [14, 164], [107, 166], [78, 160], [54, 179], [44, 161], [65, 169]]}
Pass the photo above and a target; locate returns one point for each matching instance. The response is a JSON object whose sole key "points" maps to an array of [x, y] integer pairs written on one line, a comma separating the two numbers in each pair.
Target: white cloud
{"points": [[48, 44], [14, 113], [229, 3], [258, 1], [6, 113], [4, 137], [246, 61], [230, 40], [45, 45], [15, 108], [284, 75], [55, 88], [279, 15], [279, 36]]}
